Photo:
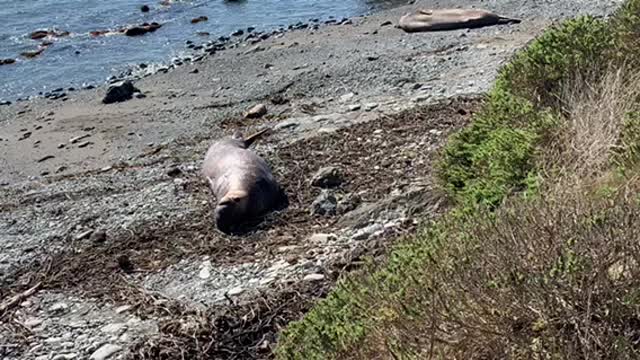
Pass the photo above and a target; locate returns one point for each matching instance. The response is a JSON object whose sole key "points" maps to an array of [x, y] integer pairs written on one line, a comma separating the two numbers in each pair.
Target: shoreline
{"points": [[192, 52]]}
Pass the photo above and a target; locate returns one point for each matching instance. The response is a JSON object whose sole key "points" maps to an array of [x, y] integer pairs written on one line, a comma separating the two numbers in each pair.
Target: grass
{"points": [[540, 258]]}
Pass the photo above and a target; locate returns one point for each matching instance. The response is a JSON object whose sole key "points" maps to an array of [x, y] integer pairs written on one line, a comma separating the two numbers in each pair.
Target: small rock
{"points": [[174, 171], [199, 19], [33, 322], [7, 61], [144, 8], [386, 23], [321, 239], [111, 329], [84, 144], [355, 107], [65, 356], [123, 308], [194, 71], [125, 263], [346, 97], [58, 307], [256, 111], [236, 291], [105, 351], [370, 106], [205, 270], [324, 204], [98, 237], [237, 32], [373, 57], [327, 177], [313, 277], [348, 203], [119, 92]]}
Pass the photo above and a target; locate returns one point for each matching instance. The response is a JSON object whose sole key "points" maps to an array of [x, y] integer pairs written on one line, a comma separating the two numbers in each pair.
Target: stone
{"points": [[98, 237], [386, 23], [33, 322], [236, 291], [45, 158], [105, 352], [58, 307], [256, 111], [144, 8], [324, 204], [327, 177], [69, 356], [84, 235], [199, 19], [313, 277], [85, 144], [321, 239], [123, 308], [116, 329], [355, 107], [7, 61], [205, 270], [237, 32], [120, 91], [142, 29], [346, 97], [174, 171], [348, 203], [370, 106], [78, 138]]}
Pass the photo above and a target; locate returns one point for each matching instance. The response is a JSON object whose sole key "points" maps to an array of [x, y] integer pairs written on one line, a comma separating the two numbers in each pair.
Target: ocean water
{"points": [[80, 59]]}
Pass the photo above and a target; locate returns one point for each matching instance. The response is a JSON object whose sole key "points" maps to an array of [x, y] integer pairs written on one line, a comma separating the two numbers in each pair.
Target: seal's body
{"points": [[241, 181], [450, 19]]}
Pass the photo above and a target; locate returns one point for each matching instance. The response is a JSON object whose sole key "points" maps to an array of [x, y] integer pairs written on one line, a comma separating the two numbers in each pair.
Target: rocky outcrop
{"points": [[142, 29], [119, 92]]}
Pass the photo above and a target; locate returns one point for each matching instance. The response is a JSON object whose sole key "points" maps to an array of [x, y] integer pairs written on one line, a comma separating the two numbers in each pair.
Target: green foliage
{"points": [[482, 165]]}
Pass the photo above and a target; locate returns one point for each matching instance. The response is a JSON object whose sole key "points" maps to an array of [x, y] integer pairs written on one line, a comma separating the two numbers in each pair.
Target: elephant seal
{"points": [[241, 181], [450, 19]]}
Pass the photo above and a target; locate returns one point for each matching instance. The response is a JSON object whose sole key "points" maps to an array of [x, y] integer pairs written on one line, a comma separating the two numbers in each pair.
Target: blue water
{"points": [[80, 59]]}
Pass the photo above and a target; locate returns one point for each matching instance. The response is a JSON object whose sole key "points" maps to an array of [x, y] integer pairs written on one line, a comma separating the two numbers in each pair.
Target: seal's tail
{"points": [[249, 140], [507, 20]]}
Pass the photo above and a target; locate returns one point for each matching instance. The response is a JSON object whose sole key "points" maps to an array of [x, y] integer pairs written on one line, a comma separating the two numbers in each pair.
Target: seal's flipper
{"points": [[249, 140], [506, 20]]}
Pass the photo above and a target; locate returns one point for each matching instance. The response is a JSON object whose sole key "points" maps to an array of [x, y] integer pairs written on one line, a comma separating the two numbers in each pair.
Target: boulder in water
{"points": [[142, 29], [199, 19], [7, 61]]}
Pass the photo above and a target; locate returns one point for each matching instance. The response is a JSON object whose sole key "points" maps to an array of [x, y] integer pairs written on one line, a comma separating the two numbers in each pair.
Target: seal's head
{"points": [[231, 210]]}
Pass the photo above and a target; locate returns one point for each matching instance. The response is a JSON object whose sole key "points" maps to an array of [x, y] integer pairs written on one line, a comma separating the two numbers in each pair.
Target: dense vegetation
{"points": [[540, 258]]}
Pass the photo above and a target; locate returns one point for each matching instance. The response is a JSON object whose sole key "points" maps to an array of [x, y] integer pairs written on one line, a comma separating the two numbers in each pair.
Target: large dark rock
{"points": [[142, 29], [118, 92], [7, 61]]}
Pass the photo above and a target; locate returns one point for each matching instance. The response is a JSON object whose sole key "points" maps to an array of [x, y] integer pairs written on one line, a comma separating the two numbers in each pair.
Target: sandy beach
{"points": [[104, 212]]}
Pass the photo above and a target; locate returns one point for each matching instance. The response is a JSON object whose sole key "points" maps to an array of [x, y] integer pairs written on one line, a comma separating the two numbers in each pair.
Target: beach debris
{"points": [[256, 111], [327, 177], [120, 91], [450, 19], [199, 19]]}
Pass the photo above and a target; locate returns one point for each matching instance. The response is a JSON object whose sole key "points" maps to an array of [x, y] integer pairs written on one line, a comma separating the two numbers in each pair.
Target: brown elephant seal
{"points": [[450, 19], [241, 181]]}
